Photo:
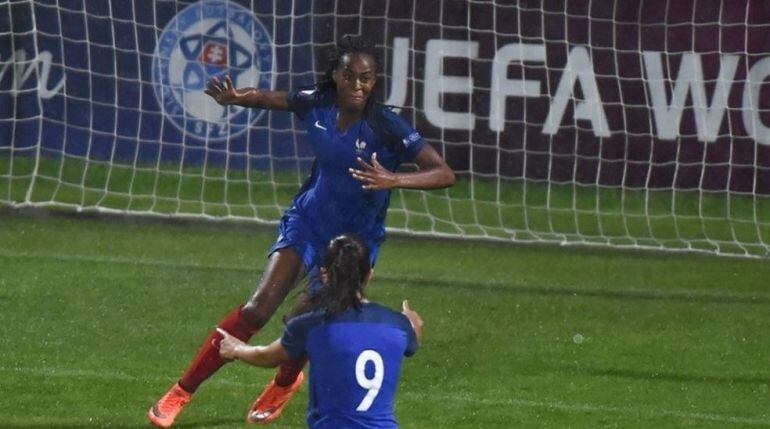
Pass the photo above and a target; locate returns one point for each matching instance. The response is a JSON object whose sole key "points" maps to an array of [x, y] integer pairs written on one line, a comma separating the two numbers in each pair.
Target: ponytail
{"points": [[347, 267]]}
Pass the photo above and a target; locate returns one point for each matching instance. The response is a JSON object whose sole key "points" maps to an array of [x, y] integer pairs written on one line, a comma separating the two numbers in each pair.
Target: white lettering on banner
{"points": [[708, 119], [23, 69], [436, 83], [579, 67], [502, 87], [399, 72], [751, 119], [666, 114]]}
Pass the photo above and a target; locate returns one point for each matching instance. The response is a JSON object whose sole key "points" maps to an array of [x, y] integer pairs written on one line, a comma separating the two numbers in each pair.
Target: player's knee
{"points": [[256, 315]]}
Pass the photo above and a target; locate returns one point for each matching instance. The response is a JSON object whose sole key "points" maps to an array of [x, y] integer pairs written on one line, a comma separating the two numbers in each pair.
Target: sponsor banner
{"points": [[655, 94], [123, 81], [642, 94]]}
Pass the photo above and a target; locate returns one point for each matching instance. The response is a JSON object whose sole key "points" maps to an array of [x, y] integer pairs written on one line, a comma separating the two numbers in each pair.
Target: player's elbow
{"points": [[450, 177], [447, 177]]}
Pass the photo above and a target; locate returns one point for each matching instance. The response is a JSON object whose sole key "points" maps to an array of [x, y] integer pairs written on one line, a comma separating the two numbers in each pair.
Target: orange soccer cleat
{"points": [[164, 412], [272, 401]]}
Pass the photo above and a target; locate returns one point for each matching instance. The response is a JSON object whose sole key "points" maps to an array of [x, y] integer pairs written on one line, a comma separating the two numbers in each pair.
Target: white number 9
{"points": [[371, 384]]}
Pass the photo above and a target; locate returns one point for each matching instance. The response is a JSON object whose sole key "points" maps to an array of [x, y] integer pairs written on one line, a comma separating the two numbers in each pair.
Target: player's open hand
{"points": [[229, 345], [222, 91], [374, 176], [414, 318]]}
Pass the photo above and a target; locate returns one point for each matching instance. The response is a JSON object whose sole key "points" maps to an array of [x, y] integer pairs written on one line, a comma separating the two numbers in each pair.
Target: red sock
{"points": [[289, 370], [207, 361]]}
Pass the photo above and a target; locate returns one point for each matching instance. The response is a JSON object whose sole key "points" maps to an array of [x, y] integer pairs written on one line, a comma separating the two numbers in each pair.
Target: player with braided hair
{"points": [[358, 146]]}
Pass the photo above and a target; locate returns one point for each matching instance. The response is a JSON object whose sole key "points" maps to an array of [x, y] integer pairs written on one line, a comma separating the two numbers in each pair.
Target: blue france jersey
{"points": [[332, 200], [355, 360]]}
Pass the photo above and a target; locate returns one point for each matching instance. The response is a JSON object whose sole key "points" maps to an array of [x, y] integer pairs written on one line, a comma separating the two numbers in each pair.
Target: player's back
{"points": [[355, 361]]}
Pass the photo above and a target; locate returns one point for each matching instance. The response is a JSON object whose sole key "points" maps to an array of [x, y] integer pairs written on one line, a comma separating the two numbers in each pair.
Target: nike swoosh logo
{"points": [[157, 413], [318, 125]]}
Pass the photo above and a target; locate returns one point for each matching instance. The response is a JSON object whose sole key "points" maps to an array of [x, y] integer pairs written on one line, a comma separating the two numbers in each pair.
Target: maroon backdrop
{"points": [[615, 33]]}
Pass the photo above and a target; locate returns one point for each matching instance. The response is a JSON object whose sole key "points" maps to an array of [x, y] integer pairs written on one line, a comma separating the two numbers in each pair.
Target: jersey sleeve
{"points": [[302, 101], [294, 338], [400, 135]]}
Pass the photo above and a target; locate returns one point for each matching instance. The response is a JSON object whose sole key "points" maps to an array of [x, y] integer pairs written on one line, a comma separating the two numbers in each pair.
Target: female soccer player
{"points": [[344, 194], [355, 347]]}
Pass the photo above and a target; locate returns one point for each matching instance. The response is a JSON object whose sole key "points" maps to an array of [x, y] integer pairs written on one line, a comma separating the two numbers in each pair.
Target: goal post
{"points": [[625, 124]]}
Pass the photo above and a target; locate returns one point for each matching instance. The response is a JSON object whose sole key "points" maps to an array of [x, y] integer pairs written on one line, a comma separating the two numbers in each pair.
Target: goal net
{"points": [[628, 124]]}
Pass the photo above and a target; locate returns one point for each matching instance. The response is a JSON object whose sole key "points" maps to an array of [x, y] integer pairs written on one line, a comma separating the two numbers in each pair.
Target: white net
{"points": [[601, 122]]}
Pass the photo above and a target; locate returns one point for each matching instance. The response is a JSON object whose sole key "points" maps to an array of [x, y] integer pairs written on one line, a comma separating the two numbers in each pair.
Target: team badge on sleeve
{"points": [[411, 139]]}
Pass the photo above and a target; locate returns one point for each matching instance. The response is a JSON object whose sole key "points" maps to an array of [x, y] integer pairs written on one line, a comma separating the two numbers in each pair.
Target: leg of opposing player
{"points": [[283, 271]]}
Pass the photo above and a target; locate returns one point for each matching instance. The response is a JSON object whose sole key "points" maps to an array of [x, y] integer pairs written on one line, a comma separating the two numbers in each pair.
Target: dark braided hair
{"points": [[348, 45], [347, 267]]}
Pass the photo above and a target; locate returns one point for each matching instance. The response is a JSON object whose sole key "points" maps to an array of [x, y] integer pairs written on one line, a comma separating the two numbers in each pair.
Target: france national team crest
{"points": [[206, 39], [360, 146]]}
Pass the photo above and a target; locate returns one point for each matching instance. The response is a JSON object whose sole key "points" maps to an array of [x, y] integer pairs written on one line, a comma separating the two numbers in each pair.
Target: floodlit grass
{"points": [[473, 208], [99, 316]]}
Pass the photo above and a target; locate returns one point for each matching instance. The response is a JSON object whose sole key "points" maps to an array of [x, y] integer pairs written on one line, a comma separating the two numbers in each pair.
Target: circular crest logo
{"points": [[207, 39]]}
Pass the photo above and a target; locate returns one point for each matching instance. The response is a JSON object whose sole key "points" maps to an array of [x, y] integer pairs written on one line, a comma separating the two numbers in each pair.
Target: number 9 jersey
{"points": [[355, 361]]}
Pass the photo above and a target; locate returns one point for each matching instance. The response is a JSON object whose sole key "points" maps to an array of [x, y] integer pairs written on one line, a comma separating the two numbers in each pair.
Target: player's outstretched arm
{"points": [[225, 94], [414, 318], [268, 356], [434, 173]]}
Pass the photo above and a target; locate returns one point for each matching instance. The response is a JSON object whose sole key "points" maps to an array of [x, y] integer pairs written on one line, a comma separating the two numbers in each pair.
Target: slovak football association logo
{"points": [[207, 39]]}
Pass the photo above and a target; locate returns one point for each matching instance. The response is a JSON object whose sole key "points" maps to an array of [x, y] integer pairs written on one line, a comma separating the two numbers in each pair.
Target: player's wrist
{"points": [[238, 352], [248, 97], [397, 180]]}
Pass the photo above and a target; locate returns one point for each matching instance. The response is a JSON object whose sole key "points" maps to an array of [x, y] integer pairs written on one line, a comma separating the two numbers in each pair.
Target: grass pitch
{"points": [[98, 317]]}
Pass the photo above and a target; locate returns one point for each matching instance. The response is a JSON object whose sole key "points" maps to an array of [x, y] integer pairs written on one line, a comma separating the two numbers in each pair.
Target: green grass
{"points": [[98, 317], [474, 208]]}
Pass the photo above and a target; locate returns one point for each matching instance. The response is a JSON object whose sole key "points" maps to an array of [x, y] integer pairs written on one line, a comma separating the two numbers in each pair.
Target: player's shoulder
{"points": [[391, 125], [377, 313], [380, 309], [326, 97], [306, 321], [382, 114], [313, 97]]}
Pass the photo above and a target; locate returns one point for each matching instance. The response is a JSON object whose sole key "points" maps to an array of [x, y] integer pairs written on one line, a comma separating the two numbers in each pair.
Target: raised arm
{"points": [[434, 173], [224, 93], [268, 356], [414, 319]]}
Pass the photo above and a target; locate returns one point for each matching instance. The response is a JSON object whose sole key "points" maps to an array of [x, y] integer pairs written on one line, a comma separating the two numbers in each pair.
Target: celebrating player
{"points": [[358, 146], [343, 338]]}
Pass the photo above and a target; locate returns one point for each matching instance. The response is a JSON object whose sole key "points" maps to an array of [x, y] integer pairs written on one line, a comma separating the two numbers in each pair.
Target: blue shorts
{"points": [[294, 233]]}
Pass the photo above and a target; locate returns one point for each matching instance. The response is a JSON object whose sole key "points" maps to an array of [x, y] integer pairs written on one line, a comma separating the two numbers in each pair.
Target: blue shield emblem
{"points": [[206, 39]]}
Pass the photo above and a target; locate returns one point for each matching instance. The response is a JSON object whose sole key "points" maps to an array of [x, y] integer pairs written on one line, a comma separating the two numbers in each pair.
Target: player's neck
{"points": [[346, 118]]}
